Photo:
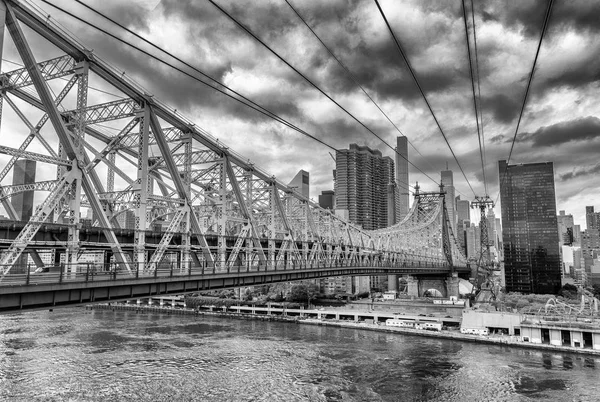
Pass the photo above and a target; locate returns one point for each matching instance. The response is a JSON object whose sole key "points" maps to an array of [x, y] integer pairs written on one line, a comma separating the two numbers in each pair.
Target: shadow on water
{"points": [[529, 386]]}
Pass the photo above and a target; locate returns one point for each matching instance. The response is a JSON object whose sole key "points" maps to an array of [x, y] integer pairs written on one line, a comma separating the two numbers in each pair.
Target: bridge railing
{"points": [[95, 272]]}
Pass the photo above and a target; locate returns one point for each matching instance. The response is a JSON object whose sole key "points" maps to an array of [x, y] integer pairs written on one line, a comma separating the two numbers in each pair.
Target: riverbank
{"points": [[510, 341]]}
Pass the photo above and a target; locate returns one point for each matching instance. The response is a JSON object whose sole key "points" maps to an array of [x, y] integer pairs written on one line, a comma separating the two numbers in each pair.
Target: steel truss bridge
{"points": [[201, 215]]}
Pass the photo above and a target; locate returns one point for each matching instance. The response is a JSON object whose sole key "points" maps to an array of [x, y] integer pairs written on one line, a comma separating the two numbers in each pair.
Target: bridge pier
{"points": [[412, 286], [445, 286], [393, 283], [452, 283]]}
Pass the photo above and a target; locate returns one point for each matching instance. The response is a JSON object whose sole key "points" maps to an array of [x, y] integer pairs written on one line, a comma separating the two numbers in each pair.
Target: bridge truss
{"points": [[136, 164]]}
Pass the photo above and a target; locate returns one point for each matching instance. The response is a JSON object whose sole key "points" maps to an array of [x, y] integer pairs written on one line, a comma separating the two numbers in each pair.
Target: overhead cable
{"points": [[474, 96], [525, 97], [355, 80], [245, 101], [249, 32], [412, 73], [479, 91]]}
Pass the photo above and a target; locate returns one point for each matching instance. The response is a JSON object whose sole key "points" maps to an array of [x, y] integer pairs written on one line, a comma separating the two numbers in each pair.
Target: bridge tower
{"points": [[484, 262]]}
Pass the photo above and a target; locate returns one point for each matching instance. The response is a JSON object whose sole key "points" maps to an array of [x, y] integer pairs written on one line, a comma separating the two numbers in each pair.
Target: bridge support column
{"points": [[412, 286], [452, 285], [393, 283]]}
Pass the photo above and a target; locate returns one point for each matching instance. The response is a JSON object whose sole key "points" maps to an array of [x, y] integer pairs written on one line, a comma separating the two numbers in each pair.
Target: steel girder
{"points": [[210, 192]]}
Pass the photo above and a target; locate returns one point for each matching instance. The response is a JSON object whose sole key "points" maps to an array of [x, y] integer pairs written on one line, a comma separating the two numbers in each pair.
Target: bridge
{"points": [[201, 216]]}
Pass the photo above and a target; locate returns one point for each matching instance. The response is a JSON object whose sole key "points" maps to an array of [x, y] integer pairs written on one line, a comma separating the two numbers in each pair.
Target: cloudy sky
{"points": [[560, 124]]}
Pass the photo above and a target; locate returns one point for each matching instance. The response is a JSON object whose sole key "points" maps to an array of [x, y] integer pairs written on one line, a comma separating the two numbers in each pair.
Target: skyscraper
{"points": [[529, 227], [592, 219], [362, 176], [23, 173], [301, 183], [327, 199], [448, 182], [565, 228], [402, 177]]}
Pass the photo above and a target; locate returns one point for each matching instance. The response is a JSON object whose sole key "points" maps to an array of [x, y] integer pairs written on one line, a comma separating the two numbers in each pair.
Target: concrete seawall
{"points": [[453, 335]]}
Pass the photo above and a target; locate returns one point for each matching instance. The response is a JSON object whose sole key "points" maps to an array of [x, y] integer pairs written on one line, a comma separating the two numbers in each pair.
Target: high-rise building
{"points": [[365, 194], [463, 209], [301, 183], [530, 228], [362, 176], [23, 173], [463, 219], [592, 219], [565, 228], [327, 199], [448, 182], [126, 220], [402, 178]]}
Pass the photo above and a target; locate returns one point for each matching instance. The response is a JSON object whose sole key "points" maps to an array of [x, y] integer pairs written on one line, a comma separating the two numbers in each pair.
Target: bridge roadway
{"points": [[47, 290]]}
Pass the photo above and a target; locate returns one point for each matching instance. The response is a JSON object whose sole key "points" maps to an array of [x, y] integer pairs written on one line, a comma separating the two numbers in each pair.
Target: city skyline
{"points": [[561, 111]]}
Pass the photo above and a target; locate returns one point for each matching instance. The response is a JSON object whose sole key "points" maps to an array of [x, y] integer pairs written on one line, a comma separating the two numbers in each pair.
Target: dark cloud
{"points": [[497, 139], [576, 74], [504, 108], [585, 128], [528, 15], [580, 172]]}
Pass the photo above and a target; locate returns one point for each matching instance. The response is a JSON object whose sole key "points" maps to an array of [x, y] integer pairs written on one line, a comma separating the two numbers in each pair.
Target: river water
{"points": [[81, 355]]}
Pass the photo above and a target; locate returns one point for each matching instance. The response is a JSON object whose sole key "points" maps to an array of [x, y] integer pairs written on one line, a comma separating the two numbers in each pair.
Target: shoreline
{"points": [[444, 334]]}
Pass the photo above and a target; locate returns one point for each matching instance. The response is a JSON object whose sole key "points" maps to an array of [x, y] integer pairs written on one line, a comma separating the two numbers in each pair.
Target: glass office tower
{"points": [[530, 228]]}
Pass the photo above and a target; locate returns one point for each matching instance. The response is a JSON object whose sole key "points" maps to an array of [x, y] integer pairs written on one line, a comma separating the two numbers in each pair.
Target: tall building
{"points": [[565, 228], [463, 209], [23, 173], [592, 219], [463, 219], [301, 183], [448, 182], [530, 228], [362, 176], [402, 177], [327, 199]]}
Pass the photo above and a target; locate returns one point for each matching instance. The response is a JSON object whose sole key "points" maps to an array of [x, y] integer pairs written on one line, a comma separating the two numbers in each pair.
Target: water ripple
{"points": [[78, 355]]}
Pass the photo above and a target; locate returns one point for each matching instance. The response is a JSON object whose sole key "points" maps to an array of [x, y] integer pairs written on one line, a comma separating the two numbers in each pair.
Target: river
{"points": [[83, 355]]}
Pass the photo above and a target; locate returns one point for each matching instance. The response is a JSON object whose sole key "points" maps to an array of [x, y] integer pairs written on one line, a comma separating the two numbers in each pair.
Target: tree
{"points": [[303, 292], [298, 293], [568, 291]]}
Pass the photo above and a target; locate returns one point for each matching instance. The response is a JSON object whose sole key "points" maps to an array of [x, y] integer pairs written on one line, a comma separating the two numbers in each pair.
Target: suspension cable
{"points": [[525, 97], [474, 96], [412, 73]]}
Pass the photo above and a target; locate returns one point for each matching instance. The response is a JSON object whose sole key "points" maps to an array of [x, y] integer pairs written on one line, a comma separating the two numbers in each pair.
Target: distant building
{"points": [[402, 178], [362, 176], [327, 199], [463, 210], [301, 183], [126, 220], [365, 194], [448, 182], [23, 173], [565, 229], [530, 228], [592, 219], [463, 219]]}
